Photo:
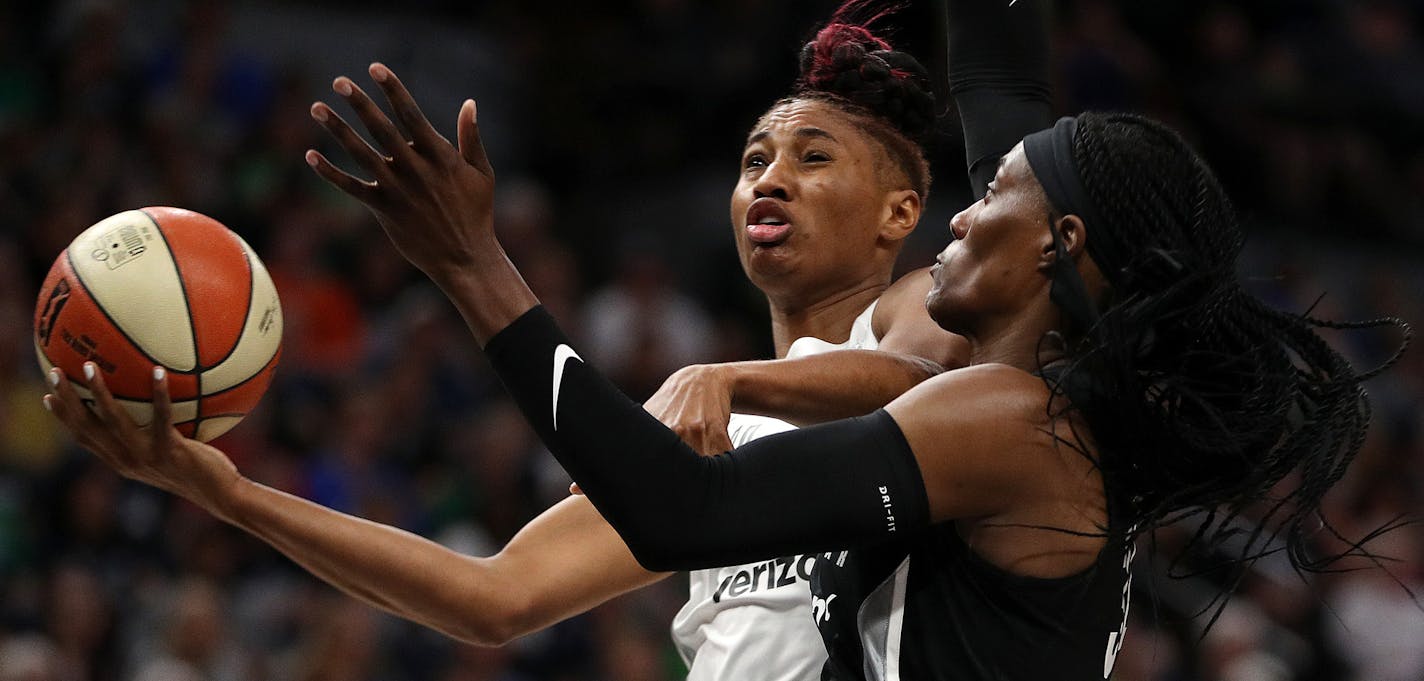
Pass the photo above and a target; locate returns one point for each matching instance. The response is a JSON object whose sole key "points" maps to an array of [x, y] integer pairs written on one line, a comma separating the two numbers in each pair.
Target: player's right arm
{"points": [[563, 563]]}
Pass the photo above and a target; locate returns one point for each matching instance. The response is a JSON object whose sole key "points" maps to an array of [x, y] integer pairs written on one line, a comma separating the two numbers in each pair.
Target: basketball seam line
{"points": [[192, 328]]}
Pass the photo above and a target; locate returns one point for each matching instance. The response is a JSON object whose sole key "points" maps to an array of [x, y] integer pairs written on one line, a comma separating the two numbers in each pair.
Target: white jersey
{"points": [[753, 622]]}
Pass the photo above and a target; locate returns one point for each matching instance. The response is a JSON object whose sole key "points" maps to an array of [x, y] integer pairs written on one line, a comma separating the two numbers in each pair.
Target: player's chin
{"points": [[770, 260], [946, 308]]}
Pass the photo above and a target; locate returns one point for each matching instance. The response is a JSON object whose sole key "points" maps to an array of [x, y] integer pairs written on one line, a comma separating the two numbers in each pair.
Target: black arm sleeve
{"points": [[828, 487], [998, 75]]}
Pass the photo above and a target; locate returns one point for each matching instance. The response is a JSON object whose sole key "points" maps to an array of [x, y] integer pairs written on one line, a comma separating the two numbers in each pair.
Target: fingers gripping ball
{"points": [[170, 287]]}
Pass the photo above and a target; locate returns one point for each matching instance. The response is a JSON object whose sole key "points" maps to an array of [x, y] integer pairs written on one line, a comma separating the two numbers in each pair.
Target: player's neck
{"points": [[1017, 340], [829, 318]]}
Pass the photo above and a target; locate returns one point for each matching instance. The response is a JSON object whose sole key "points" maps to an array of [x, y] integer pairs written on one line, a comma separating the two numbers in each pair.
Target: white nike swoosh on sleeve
{"points": [[562, 355]]}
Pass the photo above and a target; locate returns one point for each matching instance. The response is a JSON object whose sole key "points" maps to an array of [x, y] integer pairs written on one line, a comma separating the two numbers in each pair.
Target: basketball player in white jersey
{"points": [[754, 621]]}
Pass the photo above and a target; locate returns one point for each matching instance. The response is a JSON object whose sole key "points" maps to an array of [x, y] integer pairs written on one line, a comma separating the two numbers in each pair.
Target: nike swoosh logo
{"points": [[562, 355]]}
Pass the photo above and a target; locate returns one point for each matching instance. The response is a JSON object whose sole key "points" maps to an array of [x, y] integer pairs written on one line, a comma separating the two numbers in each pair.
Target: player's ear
{"points": [[1074, 234], [1068, 229], [902, 213]]}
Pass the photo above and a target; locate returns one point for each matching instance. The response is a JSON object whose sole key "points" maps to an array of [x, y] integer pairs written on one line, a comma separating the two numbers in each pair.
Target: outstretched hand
{"points": [[156, 454], [434, 201]]}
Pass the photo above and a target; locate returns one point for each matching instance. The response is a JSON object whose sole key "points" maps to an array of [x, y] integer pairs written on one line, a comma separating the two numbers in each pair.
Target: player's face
{"points": [[992, 267], [810, 201]]}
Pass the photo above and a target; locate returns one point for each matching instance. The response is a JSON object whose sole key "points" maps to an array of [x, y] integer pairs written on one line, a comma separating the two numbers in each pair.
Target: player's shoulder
{"points": [[903, 325], [982, 436], [990, 381], [905, 295], [981, 393]]}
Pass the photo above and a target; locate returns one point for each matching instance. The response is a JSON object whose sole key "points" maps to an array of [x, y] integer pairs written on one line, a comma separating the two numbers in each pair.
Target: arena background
{"points": [[616, 129]]}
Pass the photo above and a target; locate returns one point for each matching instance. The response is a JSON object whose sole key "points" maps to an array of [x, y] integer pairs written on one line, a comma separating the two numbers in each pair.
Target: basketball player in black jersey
{"points": [[979, 526]]}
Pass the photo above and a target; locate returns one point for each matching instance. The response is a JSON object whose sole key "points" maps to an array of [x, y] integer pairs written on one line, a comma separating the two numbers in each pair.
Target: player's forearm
{"points": [[998, 74], [386, 567], [824, 387]]}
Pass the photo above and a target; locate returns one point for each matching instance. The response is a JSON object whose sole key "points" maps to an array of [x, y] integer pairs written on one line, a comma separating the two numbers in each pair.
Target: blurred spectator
{"points": [[28, 658], [640, 328], [195, 640]]}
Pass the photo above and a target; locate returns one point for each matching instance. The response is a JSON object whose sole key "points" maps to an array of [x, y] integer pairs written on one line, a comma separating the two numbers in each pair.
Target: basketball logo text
{"points": [[88, 349], [121, 246]]}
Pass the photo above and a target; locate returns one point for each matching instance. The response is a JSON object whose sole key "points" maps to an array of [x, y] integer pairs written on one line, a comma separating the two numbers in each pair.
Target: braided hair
{"points": [[1201, 398], [887, 93]]}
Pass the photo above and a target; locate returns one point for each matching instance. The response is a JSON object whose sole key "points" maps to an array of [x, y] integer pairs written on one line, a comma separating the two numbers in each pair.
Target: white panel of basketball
{"points": [[261, 334], [146, 301]]}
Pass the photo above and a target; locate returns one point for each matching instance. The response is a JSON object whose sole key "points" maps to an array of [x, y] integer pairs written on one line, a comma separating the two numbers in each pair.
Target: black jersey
{"points": [[928, 607]]}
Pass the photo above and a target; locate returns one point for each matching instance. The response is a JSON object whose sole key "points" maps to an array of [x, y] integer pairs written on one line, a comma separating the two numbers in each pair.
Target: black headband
{"points": [[1050, 155]]}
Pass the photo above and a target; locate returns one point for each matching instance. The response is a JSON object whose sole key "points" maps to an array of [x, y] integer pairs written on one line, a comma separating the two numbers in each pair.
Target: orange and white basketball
{"points": [[170, 287]]}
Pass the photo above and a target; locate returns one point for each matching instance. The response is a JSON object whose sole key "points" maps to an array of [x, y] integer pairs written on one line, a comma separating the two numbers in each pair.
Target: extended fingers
{"points": [[354, 186], [366, 156], [375, 120], [406, 110]]}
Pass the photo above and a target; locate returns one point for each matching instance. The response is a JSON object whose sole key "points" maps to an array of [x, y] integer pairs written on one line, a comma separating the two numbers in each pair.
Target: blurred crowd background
{"points": [[616, 130]]}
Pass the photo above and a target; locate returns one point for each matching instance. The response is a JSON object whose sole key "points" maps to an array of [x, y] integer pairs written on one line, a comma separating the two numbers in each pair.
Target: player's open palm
{"points": [[434, 201], [156, 454]]}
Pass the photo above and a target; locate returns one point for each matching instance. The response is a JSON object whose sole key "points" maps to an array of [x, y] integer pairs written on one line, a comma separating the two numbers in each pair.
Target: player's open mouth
{"points": [[768, 233], [767, 222]]}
